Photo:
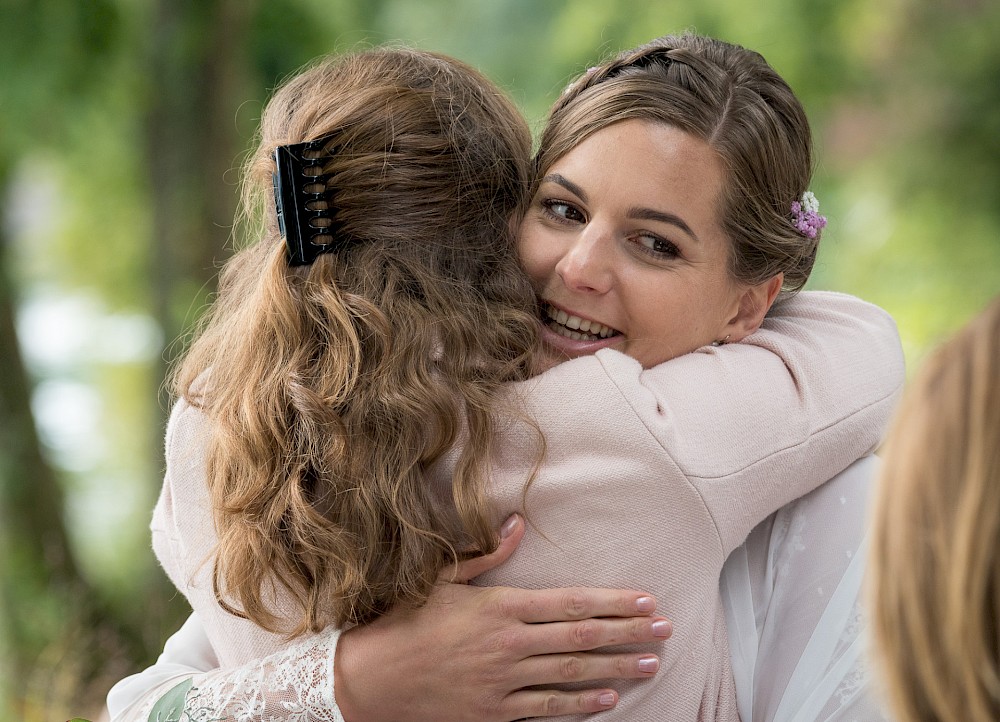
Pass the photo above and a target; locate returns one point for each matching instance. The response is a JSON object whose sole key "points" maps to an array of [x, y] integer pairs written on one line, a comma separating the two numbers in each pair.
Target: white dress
{"points": [[791, 595]]}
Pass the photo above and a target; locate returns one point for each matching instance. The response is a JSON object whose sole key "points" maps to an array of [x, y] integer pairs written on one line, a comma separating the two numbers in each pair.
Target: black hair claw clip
{"points": [[304, 214]]}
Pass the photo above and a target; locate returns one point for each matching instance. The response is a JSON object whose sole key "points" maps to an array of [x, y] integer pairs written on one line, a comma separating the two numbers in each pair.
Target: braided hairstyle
{"points": [[732, 99]]}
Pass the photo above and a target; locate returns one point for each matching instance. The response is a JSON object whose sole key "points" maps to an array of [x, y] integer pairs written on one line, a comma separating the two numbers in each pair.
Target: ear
{"points": [[754, 303]]}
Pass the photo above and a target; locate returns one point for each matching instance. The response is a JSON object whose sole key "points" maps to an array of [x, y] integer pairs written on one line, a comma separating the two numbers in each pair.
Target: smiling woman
{"points": [[624, 234], [670, 208]]}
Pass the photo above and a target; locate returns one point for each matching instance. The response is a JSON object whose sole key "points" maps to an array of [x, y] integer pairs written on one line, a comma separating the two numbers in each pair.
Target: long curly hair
{"points": [[732, 99], [334, 389]]}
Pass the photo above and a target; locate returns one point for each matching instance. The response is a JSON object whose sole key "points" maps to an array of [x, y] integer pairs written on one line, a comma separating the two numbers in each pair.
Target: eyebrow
{"points": [[567, 184], [648, 214], [636, 212]]}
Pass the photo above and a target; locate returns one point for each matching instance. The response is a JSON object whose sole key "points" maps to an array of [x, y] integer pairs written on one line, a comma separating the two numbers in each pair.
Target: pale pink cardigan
{"points": [[650, 479]]}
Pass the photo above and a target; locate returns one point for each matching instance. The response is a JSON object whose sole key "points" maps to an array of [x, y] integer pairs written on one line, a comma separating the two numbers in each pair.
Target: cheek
{"points": [[537, 257]]}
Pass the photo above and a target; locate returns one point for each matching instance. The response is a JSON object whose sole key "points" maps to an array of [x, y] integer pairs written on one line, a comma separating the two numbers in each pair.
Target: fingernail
{"points": [[606, 700], [645, 604], [662, 628], [649, 664], [508, 526]]}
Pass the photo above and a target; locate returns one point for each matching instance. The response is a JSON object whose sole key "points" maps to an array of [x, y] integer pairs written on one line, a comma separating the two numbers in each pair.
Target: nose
{"points": [[586, 266]]}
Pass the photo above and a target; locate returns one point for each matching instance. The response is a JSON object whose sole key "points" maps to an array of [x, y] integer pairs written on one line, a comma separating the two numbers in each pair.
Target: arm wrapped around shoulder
{"points": [[777, 414]]}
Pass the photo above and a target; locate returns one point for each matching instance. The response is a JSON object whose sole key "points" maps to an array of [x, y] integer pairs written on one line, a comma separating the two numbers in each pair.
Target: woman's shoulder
{"points": [[830, 307]]}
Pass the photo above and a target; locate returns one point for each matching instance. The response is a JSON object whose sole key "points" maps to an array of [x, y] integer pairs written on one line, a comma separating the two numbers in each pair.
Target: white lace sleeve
{"points": [[294, 685], [792, 597]]}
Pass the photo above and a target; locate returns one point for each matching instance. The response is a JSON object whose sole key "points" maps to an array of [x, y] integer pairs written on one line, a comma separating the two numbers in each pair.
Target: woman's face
{"points": [[624, 246]]}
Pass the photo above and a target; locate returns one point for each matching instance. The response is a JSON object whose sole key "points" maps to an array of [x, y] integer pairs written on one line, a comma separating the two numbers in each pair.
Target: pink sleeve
{"points": [[759, 423]]}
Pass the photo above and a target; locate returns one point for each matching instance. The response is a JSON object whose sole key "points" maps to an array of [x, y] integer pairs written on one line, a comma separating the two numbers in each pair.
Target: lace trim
{"points": [[295, 685]]}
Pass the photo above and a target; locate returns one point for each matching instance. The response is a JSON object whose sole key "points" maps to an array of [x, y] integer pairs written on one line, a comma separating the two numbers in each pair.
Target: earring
{"points": [[717, 342]]}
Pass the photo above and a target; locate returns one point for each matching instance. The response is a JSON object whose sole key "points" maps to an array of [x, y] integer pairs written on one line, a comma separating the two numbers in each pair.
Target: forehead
{"points": [[652, 161]]}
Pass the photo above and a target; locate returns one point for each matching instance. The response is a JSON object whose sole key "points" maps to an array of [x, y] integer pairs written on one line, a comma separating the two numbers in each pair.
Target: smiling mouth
{"points": [[574, 327]]}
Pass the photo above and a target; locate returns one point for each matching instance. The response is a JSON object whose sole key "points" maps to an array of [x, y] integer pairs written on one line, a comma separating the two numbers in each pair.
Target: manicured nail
{"points": [[508, 526], [662, 628], [649, 664], [606, 700], [645, 604]]}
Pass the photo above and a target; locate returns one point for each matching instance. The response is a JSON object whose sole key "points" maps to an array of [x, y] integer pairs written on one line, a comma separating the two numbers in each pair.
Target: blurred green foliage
{"points": [[109, 108]]}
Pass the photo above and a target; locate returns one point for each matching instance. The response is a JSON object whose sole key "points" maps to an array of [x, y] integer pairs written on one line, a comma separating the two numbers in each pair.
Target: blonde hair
{"points": [[934, 580], [333, 389], [732, 99]]}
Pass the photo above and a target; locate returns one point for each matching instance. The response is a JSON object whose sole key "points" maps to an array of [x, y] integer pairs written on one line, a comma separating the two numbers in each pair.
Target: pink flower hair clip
{"points": [[806, 217]]}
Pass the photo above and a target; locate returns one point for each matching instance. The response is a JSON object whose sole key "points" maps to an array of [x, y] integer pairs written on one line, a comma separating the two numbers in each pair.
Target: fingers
{"points": [[563, 668], [552, 703], [587, 634], [511, 534], [559, 605]]}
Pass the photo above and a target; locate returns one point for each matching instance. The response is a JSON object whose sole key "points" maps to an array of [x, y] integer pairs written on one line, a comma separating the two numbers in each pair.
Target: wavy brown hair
{"points": [[732, 99], [333, 389], [934, 575]]}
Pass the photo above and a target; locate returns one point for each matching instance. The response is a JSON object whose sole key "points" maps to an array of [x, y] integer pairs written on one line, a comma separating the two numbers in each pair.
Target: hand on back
{"points": [[471, 652]]}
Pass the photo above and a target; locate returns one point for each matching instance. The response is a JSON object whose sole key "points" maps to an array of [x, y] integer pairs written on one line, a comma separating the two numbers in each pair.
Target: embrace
{"points": [[476, 435]]}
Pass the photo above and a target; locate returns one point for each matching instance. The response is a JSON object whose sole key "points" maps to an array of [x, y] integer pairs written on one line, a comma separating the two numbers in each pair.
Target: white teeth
{"points": [[588, 330]]}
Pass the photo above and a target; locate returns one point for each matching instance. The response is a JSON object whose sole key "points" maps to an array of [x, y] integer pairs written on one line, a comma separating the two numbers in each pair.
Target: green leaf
{"points": [[170, 707]]}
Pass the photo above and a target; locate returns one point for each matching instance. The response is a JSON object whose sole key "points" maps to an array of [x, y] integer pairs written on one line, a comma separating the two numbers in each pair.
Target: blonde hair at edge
{"points": [[333, 388], [732, 99], [934, 574]]}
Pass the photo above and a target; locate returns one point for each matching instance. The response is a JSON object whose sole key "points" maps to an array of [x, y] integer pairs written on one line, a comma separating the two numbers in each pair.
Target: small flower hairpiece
{"points": [[806, 217]]}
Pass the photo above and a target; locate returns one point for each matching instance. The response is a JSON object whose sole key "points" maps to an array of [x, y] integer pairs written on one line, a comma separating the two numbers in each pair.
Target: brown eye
{"points": [[563, 210], [656, 246]]}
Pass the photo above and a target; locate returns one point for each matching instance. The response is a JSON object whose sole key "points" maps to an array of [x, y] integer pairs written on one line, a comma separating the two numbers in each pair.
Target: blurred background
{"points": [[122, 126]]}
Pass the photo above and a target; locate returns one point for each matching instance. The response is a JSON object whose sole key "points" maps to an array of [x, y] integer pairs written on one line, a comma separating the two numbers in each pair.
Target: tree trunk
{"points": [[35, 553], [199, 70]]}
